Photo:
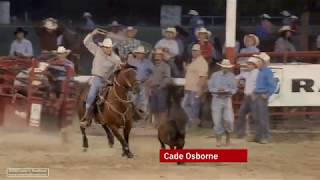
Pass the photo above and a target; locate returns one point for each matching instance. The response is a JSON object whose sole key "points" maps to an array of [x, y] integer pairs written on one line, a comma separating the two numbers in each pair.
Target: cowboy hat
{"points": [[61, 50], [158, 51], [294, 17], [196, 47], [20, 30], [203, 30], [263, 57], [50, 23], [226, 63], [107, 42], [170, 29], [140, 49], [285, 13], [285, 28], [253, 60], [115, 23], [131, 28], [87, 14], [193, 12], [256, 39], [265, 16]]}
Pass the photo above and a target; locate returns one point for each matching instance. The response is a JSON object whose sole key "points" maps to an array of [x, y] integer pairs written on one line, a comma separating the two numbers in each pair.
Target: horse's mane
{"points": [[126, 66]]}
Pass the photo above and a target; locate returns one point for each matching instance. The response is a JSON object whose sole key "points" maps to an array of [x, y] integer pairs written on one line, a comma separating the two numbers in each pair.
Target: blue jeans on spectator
{"points": [[96, 85], [222, 115], [262, 118], [191, 105], [141, 99]]}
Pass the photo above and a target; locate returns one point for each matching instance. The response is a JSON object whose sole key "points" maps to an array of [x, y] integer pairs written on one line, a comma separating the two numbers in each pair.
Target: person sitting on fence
{"points": [[49, 34], [264, 29], [60, 69], [222, 85], [116, 35], [265, 87], [247, 106], [21, 47], [251, 43], [144, 69], [284, 42], [158, 87], [168, 42], [130, 44], [196, 78], [206, 46], [104, 63]]}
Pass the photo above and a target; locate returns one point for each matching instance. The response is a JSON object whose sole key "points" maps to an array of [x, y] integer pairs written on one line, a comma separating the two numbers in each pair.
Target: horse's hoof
{"points": [[84, 149], [129, 155], [180, 163], [111, 145]]}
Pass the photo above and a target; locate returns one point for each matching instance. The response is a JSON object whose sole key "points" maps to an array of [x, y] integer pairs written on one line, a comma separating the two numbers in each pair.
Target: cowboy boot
{"points": [[219, 138], [86, 119]]}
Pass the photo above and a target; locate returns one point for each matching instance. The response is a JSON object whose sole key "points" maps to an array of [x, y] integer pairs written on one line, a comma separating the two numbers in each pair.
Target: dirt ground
{"points": [[292, 155]]}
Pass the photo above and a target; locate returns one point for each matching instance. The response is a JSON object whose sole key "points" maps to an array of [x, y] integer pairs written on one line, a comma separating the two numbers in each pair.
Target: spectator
{"points": [[265, 87], [116, 34], [251, 42], [158, 84], [206, 46], [264, 29], [247, 106], [21, 47], [144, 69], [48, 34], [196, 78], [286, 20], [129, 44], [60, 69], [294, 22], [90, 25], [196, 23], [168, 43], [171, 61], [222, 85], [284, 42]]}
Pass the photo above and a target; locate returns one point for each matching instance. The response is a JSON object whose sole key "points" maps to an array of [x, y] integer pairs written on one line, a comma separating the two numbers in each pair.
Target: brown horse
{"points": [[116, 110]]}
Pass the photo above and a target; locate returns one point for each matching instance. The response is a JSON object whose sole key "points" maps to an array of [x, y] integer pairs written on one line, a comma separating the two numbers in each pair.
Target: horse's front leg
{"points": [[125, 147], [126, 133], [85, 144], [109, 135]]}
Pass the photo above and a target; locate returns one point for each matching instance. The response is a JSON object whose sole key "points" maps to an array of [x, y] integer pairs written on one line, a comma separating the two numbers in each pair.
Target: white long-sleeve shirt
{"points": [[251, 80], [102, 65], [170, 44], [24, 47]]}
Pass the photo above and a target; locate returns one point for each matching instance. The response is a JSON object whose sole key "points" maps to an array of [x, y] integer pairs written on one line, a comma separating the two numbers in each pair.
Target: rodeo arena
{"points": [[192, 97]]}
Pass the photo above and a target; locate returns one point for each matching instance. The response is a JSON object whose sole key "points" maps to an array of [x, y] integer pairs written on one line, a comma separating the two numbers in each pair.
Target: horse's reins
{"points": [[125, 101]]}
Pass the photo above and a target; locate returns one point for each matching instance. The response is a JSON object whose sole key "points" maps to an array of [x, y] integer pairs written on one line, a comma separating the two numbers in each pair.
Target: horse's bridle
{"points": [[128, 85]]}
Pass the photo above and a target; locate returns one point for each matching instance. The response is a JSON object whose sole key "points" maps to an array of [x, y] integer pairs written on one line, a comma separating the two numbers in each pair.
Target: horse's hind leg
{"points": [[109, 135], [84, 139], [125, 147]]}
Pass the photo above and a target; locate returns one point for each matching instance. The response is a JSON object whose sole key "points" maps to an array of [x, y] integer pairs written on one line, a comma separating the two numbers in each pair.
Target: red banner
{"points": [[204, 155]]}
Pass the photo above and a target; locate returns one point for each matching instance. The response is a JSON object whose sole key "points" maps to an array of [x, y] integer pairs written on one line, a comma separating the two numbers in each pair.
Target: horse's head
{"points": [[125, 77]]}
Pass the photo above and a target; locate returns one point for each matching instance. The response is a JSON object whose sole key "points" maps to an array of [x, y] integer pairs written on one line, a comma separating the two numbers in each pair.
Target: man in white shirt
{"points": [[104, 63], [247, 106], [21, 47], [169, 43]]}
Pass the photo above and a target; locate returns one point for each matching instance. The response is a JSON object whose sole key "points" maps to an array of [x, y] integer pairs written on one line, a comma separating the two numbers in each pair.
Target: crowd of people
{"points": [[174, 57]]}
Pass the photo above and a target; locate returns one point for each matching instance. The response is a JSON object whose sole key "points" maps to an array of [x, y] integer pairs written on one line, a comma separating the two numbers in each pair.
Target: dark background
{"points": [[148, 11]]}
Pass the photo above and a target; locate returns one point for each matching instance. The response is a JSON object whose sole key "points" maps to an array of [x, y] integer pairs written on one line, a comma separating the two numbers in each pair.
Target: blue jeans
{"points": [[96, 85], [191, 105], [222, 115]]}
